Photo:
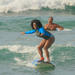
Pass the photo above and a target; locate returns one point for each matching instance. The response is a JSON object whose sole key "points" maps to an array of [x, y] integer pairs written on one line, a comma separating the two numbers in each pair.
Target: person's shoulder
{"points": [[46, 24], [42, 28]]}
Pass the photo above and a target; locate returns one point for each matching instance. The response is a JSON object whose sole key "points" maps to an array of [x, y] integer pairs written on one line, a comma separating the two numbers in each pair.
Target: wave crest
{"points": [[23, 5]]}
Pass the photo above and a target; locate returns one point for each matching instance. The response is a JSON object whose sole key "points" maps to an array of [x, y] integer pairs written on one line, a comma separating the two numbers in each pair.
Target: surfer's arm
{"points": [[59, 27], [46, 27], [30, 32]]}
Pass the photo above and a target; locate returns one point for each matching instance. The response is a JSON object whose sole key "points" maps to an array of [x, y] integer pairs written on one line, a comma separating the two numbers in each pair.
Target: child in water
{"points": [[48, 39]]}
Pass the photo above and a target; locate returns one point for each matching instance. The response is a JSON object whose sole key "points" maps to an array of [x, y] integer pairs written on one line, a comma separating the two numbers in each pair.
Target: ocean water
{"points": [[18, 51]]}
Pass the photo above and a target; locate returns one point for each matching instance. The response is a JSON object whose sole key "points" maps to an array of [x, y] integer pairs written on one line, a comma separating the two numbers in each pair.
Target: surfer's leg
{"points": [[48, 44], [41, 45]]}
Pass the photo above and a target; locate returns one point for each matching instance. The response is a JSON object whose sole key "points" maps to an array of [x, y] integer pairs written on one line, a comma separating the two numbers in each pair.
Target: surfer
{"points": [[48, 38], [52, 26]]}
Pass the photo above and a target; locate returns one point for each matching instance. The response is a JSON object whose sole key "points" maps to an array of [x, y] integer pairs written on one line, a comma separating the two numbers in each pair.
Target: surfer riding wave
{"points": [[48, 38]]}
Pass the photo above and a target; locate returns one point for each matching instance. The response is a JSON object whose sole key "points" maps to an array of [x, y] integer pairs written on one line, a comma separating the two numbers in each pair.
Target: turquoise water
{"points": [[18, 51]]}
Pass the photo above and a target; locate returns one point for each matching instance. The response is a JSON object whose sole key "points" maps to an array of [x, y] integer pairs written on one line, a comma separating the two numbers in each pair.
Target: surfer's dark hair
{"points": [[38, 23]]}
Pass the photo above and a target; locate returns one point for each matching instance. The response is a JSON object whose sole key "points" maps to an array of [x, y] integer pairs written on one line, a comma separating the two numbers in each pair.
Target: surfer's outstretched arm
{"points": [[29, 32]]}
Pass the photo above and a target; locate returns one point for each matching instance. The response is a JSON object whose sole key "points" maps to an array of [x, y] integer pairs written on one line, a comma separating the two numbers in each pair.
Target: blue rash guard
{"points": [[46, 34]]}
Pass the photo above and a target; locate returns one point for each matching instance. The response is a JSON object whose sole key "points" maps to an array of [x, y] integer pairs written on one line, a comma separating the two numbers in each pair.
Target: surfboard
{"points": [[43, 65]]}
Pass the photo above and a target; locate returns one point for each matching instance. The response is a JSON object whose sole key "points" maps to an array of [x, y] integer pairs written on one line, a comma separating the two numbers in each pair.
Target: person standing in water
{"points": [[48, 39], [52, 26]]}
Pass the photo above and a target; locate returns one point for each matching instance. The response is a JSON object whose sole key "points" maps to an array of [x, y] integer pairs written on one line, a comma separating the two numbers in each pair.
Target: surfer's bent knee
{"points": [[39, 48], [45, 48]]}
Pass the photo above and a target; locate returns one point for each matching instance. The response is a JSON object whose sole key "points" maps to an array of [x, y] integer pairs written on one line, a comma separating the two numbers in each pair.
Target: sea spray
{"points": [[23, 5]]}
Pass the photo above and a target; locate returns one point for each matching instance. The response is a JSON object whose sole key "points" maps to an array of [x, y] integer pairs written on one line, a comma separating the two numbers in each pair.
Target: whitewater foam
{"points": [[18, 48], [22, 5]]}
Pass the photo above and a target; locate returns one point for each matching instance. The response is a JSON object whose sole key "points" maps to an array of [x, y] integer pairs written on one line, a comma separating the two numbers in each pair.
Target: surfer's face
{"points": [[50, 20], [34, 26]]}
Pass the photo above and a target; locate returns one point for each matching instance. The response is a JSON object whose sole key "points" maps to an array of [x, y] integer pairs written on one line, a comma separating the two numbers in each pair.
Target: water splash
{"points": [[23, 5]]}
